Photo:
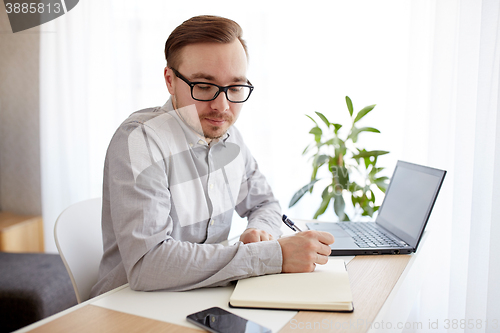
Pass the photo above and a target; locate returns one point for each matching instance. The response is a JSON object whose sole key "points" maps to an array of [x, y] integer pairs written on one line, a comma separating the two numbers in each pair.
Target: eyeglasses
{"points": [[205, 92]]}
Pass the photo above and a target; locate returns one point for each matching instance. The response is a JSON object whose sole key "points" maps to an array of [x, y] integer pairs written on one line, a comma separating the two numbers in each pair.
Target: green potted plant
{"points": [[353, 170]]}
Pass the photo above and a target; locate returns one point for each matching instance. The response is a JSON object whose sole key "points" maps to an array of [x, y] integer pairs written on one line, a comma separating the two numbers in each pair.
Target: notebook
{"points": [[401, 219], [327, 289]]}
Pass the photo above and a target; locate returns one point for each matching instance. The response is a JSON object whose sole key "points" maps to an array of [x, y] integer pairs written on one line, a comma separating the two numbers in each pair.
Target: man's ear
{"points": [[169, 79]]}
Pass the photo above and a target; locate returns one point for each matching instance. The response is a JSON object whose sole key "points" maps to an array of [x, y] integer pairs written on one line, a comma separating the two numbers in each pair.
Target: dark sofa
{"points": [[32, 286]]}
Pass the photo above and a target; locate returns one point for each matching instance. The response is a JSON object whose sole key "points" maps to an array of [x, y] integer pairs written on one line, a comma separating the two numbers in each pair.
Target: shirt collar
{"points": [[192, 137]]}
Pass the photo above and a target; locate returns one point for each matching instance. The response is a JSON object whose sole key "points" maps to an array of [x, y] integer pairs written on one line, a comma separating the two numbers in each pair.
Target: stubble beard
{"points": [[210, 133], [195, 123]]}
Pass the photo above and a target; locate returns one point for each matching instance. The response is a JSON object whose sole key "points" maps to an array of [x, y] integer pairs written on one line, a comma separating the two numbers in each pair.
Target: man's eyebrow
{"points": [[201, 75]]}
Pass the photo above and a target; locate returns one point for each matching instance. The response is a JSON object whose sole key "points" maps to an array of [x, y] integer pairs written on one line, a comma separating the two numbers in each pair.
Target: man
{"points": [[174, 175]]}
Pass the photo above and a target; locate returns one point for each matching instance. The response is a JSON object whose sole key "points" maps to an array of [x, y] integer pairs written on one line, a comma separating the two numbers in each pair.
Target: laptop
{"points": [[401, 219]]}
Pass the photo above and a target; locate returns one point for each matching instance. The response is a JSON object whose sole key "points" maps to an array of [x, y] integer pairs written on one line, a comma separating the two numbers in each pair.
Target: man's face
{"points": [[222, 64]]}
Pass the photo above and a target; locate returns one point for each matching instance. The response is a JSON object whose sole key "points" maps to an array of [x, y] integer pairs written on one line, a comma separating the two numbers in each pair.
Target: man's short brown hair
{"points": [[201, 29]]}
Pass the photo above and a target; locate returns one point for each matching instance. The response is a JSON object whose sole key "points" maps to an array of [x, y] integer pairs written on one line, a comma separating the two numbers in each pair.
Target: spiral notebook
{"points": [[325, 289]]}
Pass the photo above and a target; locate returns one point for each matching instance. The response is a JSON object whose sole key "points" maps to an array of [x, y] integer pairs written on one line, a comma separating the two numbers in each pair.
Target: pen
{"points": [[290, 223]]}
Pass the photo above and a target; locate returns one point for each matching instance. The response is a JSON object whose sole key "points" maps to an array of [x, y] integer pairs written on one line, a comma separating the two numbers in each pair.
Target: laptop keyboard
{"points": [[368, 235]]}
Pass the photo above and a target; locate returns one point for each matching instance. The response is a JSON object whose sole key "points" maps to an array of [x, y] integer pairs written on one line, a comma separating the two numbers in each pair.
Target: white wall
{"points": [[20, 190]]}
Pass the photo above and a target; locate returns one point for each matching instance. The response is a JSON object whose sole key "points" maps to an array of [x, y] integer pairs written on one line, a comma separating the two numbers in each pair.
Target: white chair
{"points": [[78, 239]]}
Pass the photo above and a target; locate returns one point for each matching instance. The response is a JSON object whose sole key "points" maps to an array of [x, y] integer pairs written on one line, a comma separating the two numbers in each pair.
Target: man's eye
{"points": [[204, 86], [235, 89]]}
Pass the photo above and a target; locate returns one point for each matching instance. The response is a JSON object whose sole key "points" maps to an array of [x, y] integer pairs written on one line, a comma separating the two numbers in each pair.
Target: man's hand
{"points": [[302, 251], [255, 235]]}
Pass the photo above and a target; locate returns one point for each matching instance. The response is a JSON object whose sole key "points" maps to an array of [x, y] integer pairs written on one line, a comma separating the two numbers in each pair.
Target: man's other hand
{"points": [[255, 235], [302, 251]]}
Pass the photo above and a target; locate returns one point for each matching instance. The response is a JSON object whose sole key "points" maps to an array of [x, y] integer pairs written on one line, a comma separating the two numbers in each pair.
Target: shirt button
{"points": [[211, 186], [212, 222], [201, 142], [190, 145]]}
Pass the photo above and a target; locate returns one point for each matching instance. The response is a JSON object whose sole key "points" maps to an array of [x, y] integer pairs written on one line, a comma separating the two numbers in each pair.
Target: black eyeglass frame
{"points": [[223, 89]]}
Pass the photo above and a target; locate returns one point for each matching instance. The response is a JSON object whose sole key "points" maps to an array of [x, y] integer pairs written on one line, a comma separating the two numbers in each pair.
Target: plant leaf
{"points": [[367, 211], [349, 105], [372, 197], [317, 133], [337, 127], [339, 206], [382, 183], [306, 149], [369, 129], [318, 161], [326, 191], [367, 161], [365, 153], [363, 112], [327, 196], [312, 119], [325, 120], [374, 171], [328, 143], [300, 193], [321, 159], [382, 179], [341, 177], [353, 187], [355, 132]]}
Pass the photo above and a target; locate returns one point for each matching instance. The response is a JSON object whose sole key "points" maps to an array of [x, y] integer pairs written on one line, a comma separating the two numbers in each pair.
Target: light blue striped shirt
{"points": [[168, 199]]}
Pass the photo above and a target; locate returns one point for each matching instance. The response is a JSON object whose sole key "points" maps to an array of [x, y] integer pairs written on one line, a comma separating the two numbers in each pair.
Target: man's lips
{"points": [[215, 121]]}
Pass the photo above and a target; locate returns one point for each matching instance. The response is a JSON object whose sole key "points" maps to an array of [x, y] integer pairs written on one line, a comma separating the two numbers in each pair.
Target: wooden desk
{"points": [[372, 280]]}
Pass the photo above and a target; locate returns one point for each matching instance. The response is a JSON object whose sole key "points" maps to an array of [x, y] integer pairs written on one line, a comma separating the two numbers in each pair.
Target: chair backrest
{"points": [[78, 239]]}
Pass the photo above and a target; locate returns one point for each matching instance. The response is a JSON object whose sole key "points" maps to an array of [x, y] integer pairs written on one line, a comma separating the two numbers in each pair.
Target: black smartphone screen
{"points": [[221, 321]]}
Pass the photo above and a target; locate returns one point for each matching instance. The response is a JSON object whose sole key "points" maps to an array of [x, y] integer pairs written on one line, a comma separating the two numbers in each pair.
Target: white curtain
{"points": [[432, 68], [475, 219], [456, 85], [104, 60]]}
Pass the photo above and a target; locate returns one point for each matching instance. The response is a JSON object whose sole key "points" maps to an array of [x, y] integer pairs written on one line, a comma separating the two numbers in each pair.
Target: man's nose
{"points": [[220, 103]]}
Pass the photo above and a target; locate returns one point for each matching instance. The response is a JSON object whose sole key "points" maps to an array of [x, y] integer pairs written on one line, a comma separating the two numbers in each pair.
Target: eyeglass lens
{"points": [[207, 92]]}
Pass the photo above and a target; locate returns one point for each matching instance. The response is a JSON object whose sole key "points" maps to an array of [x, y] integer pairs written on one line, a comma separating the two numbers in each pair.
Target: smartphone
{"points": [[218, 320]]}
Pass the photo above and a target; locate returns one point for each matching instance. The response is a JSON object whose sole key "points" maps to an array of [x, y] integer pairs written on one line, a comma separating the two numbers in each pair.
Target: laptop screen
{"points": [[409, 200]]}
